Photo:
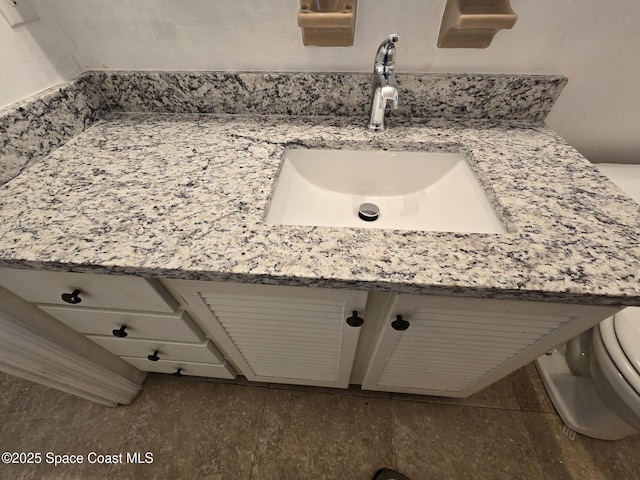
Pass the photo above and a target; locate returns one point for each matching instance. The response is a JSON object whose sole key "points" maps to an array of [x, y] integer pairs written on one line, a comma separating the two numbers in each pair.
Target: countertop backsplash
{"points": [[34, 127], [493, 97]]}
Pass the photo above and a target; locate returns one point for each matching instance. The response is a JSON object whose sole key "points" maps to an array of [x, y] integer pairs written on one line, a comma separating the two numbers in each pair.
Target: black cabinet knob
{"points": [[154, 357], [354, 320], [72, 298], [177, 373], [120, 332], [400, 324]]}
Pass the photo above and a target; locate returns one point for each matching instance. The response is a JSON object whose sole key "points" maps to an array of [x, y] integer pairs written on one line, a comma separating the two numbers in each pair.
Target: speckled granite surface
{"points": [[36, 126], [184, 196], [510, 97]]}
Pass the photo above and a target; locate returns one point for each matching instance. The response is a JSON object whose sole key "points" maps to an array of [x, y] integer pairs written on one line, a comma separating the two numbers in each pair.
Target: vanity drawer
{"points": [[103, 291], [125, 347], [170, 327], [186, 368]]}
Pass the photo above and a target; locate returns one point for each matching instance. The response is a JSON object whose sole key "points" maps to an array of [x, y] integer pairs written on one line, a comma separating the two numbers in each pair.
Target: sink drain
{"points": [[368, 212]]}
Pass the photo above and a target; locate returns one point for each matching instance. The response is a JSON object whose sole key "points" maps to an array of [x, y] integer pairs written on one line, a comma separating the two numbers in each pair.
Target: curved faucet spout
{"points": [[385, 90]]}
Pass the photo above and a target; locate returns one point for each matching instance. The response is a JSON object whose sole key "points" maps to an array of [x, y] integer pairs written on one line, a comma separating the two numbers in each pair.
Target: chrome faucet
{"points": [[385, 90]]}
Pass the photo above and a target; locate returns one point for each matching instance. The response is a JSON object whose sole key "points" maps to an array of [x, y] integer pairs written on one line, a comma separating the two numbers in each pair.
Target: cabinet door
{"points": [[454, 347], [278, 334]]}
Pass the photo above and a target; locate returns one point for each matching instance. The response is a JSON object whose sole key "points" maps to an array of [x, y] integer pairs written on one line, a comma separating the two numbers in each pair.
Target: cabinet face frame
{"points": [[193, 295], [576, 319]]}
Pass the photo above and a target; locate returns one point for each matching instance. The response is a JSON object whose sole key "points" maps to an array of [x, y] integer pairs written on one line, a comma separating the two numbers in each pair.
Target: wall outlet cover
{"points": [[17, 12]]}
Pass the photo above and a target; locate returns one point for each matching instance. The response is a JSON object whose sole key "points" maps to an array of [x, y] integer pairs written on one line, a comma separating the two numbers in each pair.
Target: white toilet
{"points": [[594, 379]]}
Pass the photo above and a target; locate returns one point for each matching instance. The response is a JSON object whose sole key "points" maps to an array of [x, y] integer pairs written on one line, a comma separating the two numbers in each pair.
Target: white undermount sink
{"points": [[429, 191]]}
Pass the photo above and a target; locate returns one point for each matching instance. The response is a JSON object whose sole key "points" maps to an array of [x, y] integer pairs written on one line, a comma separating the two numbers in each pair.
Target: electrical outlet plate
{"points": [[17, 12]]}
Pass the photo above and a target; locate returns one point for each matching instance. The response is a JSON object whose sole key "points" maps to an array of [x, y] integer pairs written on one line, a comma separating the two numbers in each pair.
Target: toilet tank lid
{"points": [[626, 324], [627, 177]]}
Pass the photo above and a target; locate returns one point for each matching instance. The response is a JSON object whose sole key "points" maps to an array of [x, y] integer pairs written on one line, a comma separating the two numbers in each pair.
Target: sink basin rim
{"points": [[450, 199]]}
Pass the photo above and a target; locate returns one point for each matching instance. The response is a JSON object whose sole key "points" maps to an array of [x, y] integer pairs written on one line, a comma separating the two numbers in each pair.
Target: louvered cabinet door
{"points": [[279, 334], [454, 347]]}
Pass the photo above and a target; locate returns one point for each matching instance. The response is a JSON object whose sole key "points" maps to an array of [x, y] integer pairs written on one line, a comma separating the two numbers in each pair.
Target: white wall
{"points": [[595, 44], [25, 67]]}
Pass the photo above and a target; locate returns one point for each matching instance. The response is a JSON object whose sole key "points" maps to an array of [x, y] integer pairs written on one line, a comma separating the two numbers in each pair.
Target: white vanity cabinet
{"points": [[456, 346], [430, 345], [132, 317], [280, 334]]}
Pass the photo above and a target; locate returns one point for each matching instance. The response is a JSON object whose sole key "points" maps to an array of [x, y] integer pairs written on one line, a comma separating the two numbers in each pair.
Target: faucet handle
{"points": [[386, 54], [388, 43]]}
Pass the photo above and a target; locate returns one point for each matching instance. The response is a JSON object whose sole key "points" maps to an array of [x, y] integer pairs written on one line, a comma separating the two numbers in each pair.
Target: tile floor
{"points": [[204, 429]]}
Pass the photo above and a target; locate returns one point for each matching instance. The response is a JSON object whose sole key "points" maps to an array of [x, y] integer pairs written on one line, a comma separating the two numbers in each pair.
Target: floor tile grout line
{"points": [[255, 450], [342, 394], [346, 393], [3, 420], [485, 407], [394, 443], [533, 443], [135, 408], [13, 405]]}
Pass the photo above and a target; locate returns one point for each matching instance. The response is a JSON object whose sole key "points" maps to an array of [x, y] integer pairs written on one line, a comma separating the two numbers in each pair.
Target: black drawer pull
{"points": [[73, 298], [354, 320], [177, 373], [120, 332], [400, 324], [154, 357]]}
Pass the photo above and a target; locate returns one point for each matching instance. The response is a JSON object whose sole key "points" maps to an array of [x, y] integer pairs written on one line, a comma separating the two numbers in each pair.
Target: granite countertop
{"points": [[185, 195]]}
